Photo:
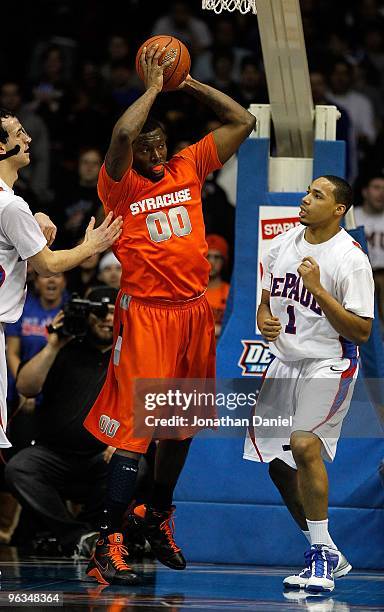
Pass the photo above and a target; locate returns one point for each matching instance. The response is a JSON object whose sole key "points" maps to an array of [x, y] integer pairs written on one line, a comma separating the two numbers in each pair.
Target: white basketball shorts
{"points": [[308, 395], [4, 442]]}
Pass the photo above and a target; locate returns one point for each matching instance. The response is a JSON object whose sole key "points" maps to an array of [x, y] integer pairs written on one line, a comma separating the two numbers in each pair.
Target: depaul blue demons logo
{"points": [[255, 358]]}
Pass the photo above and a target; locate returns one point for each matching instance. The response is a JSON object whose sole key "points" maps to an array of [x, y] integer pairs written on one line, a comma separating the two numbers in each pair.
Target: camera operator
{"points": [[67, 463]]}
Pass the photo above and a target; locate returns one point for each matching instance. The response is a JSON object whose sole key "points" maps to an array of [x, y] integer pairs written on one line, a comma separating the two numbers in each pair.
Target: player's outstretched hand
{"points": [[102, 238], [271, 329], [152, 70], [47, 226]]}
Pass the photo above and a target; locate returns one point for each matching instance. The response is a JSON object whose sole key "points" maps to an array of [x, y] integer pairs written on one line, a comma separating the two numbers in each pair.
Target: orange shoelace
{"points": [[116, 552], [168, 526]]}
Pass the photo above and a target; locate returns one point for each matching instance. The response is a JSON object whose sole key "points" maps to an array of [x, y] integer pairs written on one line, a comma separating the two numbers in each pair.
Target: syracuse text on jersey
{"points": [[161, 201]]}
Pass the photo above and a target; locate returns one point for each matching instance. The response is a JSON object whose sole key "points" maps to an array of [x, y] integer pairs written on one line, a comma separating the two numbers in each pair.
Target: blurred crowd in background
{"points": [[67, 71]]}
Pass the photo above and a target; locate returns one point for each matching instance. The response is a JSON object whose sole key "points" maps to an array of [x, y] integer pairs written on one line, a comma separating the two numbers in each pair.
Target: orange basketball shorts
{"points": [[151, 340]]}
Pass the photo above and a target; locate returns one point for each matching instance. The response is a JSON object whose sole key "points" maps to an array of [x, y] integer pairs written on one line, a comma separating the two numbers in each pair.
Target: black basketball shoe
{"points": [[159, 528], [108, 565]]}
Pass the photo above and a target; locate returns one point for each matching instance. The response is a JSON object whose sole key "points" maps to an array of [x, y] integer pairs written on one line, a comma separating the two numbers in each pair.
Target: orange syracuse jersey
{"points": [[162, 248]]}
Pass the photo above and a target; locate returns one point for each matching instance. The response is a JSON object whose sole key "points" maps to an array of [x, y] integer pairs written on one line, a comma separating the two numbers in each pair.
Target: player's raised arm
{"points": [[98, 240], [128, 127], [237, 122]]}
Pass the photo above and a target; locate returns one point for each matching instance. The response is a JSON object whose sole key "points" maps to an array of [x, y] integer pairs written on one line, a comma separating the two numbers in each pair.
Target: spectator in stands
{"points": [[366, 12], [218, 289], [87, 123], [66, 463], [371, 216], [56, 26], [33, 180], [221, 183], [78, 200], [219, 214], [82, 278], [358, 106], [25, 338], [124, 87], [90, 111], [224, 38], [222, 68], [50, 91], [117, 51], [251, 88], [372, 54], [110, 270], [180, 22], [344, 127], [93, 84]]}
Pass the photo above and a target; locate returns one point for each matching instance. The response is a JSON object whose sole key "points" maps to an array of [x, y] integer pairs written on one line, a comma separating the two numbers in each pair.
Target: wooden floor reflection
{"points": [[199, 587]]}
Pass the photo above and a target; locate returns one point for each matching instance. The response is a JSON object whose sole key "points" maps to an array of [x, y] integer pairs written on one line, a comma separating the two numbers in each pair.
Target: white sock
{"points": [[319, 533], [307, 535]]}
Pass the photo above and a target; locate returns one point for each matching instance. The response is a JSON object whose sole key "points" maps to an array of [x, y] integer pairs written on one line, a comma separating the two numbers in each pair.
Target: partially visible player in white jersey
{"points": [[317, 305], [371, 215], [22, 239]]}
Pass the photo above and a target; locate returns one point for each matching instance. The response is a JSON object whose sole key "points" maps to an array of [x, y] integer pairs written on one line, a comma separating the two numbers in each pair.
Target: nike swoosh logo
{"points": [[335, 369], [104, 569]]}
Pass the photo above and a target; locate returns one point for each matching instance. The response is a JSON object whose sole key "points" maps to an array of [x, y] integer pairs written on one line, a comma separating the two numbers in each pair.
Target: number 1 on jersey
{"points": [[290, 328]]}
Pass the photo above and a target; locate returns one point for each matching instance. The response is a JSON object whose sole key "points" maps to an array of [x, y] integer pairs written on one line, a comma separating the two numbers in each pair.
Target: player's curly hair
{"points": [[342, 190], [4, 114]]}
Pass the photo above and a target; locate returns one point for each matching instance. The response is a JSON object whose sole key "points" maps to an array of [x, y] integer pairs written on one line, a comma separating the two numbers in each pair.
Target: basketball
{"points": [[178, 70]]}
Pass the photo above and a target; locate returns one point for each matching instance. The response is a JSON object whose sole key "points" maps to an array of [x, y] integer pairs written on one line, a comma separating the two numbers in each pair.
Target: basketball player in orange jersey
{"points": [[163, 324]]}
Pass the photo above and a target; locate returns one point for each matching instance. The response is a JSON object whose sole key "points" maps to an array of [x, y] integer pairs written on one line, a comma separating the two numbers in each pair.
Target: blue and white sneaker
{"points": [[323, 562], [299, 581]]}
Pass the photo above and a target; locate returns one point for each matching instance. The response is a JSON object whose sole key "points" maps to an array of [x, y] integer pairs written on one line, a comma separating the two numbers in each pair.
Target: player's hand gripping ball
{"points": [[177, 72]]}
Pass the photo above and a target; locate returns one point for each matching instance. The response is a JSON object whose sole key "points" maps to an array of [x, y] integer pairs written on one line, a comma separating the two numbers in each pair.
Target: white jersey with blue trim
{"points": [[20, 238], [345, 272]]}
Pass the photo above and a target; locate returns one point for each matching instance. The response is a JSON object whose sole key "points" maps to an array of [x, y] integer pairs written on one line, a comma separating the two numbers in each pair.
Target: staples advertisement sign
{"points": [[273, 220]]}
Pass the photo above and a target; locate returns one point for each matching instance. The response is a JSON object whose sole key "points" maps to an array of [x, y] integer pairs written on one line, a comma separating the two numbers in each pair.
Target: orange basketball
{"points": [[178, 70]]}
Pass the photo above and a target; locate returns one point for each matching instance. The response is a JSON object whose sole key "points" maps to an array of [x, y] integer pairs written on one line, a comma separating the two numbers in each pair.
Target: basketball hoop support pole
{"points": [[287, 173]]}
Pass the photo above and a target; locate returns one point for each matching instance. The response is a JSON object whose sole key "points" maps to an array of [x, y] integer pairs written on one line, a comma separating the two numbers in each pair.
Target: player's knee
{"points": [[305, 446]]}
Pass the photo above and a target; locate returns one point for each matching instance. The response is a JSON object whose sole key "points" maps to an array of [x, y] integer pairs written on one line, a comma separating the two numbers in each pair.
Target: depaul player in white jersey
{"points": [[317, 305], [22, 239]]}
